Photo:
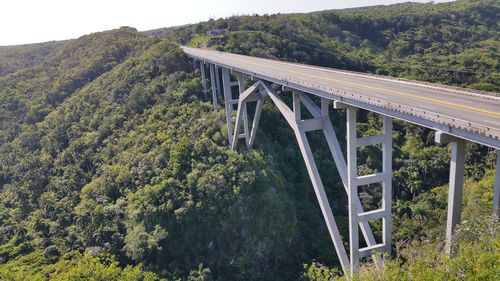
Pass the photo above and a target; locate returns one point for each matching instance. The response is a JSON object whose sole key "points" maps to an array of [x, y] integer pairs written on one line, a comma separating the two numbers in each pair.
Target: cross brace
{"points": [[229, 103], [356, 214], [321, 121]]}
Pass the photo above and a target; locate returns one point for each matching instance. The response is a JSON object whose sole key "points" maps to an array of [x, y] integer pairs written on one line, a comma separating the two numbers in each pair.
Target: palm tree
{"points": [[202, 274]]}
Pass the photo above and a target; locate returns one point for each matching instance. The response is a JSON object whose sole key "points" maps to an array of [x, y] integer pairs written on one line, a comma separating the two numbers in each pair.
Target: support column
{"points": [[455, 189], [456, 185], [213, 85], [228, 96], [352, 175], [255, 123], [339, 159], [300, 127], [203, 76], [385, 177], [496, 190], [387, 185], [217, 81], [250, 94], [241, 87], [358, 218]]}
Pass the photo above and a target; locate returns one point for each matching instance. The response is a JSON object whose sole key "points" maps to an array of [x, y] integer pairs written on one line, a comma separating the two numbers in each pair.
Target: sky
{"points": [[30, 21]]}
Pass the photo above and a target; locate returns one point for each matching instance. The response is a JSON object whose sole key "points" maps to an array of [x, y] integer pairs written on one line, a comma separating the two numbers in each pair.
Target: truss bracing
{"points": [[239, 126], [321, 121]]}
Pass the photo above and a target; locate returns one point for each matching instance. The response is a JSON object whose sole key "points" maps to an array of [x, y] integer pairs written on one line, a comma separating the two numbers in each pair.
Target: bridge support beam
{"points": [[253, 93], [341, 165], [352, 174], [456, 184], [217, 81], [496, 190], [203, 76], [213, 85], [244, 116], [299, 128], [228, 96], [321, 121], [356, 213], [230, 102], [255, 122]]}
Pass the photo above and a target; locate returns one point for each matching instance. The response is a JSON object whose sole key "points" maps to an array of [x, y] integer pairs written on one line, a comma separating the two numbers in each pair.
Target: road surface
{"points": [[472, 112]]}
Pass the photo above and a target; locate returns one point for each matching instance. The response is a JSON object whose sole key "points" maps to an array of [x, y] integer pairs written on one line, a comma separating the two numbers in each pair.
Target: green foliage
{"points": [[451, 43], [477, 258], [478, 196], [319, 272], [201, 274], [13, 58], [133, 164], [107, 147], [74, 266]]}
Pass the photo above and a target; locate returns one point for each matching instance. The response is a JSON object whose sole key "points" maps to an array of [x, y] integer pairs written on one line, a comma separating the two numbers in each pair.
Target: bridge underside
{"points": [[240, 127]]}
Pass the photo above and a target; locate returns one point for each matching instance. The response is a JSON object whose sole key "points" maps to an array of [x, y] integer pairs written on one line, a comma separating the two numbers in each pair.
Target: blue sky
{"points": [[29, 21]]}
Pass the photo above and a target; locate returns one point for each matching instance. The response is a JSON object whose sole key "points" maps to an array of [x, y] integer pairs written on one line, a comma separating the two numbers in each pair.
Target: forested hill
{"points": [[453, 43], [113, 165], [18, 57]]}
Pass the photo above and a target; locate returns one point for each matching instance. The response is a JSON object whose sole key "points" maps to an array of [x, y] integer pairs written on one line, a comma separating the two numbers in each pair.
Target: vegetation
{"points": [[72, 266], [477, 258], [475, 245], [113, 165], [453, 43], [14, 58]]}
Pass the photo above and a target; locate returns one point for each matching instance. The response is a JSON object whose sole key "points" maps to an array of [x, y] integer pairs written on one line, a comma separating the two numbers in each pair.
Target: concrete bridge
{"points": [[456, 114]]}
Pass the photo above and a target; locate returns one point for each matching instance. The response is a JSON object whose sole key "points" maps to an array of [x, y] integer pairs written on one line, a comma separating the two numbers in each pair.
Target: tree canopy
{"points": [[114, 166]]}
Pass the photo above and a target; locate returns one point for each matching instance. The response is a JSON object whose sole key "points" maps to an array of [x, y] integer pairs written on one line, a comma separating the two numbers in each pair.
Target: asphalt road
{"points": [[476, 108]]}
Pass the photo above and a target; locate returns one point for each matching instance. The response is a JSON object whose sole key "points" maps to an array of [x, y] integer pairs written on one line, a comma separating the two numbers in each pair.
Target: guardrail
{"points": [[344, 96]]}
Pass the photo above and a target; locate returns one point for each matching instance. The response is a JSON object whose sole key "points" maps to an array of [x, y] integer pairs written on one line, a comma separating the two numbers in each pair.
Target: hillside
{"points": [[452, 43], [19, 57], [113, 165]]}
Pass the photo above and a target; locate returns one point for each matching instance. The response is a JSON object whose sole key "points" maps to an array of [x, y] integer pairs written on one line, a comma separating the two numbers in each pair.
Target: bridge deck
{"points": [[471, 116]]}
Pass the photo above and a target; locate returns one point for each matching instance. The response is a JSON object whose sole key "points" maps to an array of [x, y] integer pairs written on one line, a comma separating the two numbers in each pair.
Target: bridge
{"points": [[456, 114]]}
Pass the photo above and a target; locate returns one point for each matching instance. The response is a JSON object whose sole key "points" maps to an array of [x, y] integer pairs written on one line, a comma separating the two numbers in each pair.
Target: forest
{"points": [[114, 166]]}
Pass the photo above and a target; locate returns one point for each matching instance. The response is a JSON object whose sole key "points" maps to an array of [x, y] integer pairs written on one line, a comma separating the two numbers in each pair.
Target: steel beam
{"points": [[496, 192], [297, 106]]}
